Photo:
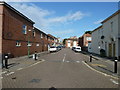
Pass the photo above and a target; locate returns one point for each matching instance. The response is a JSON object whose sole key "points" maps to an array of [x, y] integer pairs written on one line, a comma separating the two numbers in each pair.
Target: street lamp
{"points": [[29, 43]]}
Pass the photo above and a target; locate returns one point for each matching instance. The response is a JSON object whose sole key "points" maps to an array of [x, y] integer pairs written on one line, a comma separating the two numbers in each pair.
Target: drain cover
{"points": [[35, 81]]}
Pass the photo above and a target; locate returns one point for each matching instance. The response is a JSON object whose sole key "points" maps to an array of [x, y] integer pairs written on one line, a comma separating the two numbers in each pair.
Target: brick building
{"points": [[71, 42], [84, 41], [18, 36], [53, 41], [41, 40]]}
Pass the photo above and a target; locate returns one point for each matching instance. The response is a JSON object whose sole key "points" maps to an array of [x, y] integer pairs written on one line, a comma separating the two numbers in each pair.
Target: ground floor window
{"points": [[18, 43]]}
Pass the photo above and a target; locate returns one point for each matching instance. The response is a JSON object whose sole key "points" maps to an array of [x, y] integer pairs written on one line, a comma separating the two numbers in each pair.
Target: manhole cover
{"points": [[35, 81]]}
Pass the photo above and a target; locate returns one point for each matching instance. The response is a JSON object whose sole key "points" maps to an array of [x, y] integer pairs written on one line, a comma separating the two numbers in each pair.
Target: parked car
{"points": [[77, 49], [73, 48], [52, 49], [59, 48]]}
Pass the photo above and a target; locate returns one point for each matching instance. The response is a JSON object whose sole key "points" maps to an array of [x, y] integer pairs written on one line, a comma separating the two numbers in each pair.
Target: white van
{"points": [[77, 49]]}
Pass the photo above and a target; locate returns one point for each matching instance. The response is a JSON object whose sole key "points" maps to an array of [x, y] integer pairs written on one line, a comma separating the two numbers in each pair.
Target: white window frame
{"points": [[29, 44], [25, 29], [37, 44], [18, 43], [88, 38], [41, 35]]}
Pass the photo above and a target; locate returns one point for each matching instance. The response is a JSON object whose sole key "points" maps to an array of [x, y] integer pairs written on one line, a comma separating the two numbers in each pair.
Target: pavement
{"points": [[103, 65], [20, 63], [63, 69]]}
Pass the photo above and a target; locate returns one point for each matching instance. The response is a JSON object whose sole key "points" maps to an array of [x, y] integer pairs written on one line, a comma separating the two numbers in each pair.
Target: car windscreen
{"points": [[52, 47]]}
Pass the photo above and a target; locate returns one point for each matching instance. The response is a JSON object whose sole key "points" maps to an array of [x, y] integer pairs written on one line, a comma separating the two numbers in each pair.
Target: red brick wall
{"points": [[1, 24], [12, 31], [12, 28]]}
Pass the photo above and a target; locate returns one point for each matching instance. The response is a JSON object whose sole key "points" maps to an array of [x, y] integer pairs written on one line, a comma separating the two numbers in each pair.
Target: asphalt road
{"points": [[63, 69]]}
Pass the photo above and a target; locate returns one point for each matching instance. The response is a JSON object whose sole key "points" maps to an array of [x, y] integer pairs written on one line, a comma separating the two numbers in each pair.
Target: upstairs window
{"points": [[33, 33], [24, 29], [45, 37], [68, 41], [18, 43], [41, 35], [88, 38], [112, 26]]}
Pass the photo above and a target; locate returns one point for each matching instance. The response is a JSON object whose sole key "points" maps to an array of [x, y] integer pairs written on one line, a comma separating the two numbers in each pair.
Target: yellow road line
{"points": [[98, 65], [99, 71]]}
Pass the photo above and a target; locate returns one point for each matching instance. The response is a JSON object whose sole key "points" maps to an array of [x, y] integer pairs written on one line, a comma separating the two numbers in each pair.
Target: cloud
{"points": [[98, 22], [63, 32], [69, 17], [43, 19]]}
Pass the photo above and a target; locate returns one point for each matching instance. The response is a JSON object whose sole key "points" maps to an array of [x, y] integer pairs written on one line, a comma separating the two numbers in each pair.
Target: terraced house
{"points": [[107, 36], [18, 36]]}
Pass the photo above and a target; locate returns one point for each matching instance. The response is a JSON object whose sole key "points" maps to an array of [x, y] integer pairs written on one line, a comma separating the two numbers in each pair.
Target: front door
{"points": [[110, 50], [114, 50]]}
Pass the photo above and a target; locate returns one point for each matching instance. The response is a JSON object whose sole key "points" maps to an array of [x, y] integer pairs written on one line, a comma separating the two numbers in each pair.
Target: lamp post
{"points": [[28, 44]]}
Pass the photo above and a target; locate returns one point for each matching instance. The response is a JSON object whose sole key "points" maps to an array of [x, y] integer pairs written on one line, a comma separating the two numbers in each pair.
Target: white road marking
{"points": [[78, 61], [3, 72], [115, 82], [64, 57], [61, 66], [36, 63], [20, 69], [67, 61], [10, 73]]}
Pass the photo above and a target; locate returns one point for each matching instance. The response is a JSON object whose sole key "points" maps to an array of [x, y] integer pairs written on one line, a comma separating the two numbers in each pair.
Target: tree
{"points": [[64, 41]]}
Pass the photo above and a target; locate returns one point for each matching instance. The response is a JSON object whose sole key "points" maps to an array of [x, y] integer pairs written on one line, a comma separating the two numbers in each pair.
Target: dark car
{"points": [[59, 48], [73, 48]]}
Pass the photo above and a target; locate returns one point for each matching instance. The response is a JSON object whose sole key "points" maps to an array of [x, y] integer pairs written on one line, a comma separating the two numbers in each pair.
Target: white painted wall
{"points": [[69, 44], [74, 43], [109, 33], [106, 31], [95, 44]]}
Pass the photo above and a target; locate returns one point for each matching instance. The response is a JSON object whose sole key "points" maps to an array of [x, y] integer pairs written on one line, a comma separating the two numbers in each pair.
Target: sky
{"points": [[66, 19]]}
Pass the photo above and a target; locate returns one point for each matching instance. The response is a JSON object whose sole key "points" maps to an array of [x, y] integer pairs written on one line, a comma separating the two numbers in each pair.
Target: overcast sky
{"points": [[65, 19]]}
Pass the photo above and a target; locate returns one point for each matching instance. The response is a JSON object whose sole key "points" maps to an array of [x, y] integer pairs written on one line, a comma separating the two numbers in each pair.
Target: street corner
{"points": [[95, 67]]}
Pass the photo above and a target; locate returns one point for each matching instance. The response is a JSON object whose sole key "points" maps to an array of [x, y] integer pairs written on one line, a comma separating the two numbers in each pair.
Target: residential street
{"points": [[62, 69]]}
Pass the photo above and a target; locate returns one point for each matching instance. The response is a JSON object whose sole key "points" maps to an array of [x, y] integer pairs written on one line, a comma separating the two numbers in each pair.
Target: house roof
{"points": [[17, 12], [97, 28], [39, 30], [51, 36], [114, 14]]}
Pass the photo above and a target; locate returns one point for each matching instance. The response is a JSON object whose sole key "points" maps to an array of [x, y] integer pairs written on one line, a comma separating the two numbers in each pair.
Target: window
{"points": [[37, 45], [24, 29], [111, 26], [45, 37], [68, 41], [18, 43], [88, 38], [33, 33], [41, 35], [29, 44]]}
